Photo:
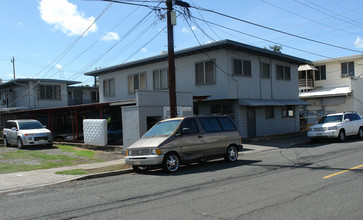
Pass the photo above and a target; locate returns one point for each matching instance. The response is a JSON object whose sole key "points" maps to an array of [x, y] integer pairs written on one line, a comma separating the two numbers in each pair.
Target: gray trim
{"points": [[27, 80], [271, 102]]}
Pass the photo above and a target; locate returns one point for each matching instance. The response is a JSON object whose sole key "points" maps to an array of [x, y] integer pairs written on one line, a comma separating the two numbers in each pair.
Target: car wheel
{"points": [[341, 136], [20, 143], [360, 133], [231, 154], [140, 169], [171, 162], [6, 144]]}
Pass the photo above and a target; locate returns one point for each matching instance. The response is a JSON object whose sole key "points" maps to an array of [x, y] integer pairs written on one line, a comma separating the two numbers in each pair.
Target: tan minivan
{"points": [[172, 142]]}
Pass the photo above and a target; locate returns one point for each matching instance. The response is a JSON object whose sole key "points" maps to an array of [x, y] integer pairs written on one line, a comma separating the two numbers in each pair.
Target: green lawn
{"points": [[28, 159]]}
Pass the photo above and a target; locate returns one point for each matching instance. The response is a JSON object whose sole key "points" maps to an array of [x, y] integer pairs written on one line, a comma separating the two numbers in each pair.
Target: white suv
{"points": [[337, 125], [26, 132]]}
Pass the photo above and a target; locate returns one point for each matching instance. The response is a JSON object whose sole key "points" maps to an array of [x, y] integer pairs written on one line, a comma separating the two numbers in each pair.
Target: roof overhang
{"points": [[224, 44], [326, 92]]}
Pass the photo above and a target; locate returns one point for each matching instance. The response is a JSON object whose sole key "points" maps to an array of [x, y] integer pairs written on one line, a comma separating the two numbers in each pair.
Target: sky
{"points": [[63, 39]]}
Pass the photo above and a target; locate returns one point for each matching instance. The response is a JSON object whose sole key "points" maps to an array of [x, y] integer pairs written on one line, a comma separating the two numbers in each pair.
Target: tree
{"points": [[275, 48]]}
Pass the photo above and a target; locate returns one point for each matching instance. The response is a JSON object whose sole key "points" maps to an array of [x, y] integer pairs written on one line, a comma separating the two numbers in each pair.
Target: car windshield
{"points": [[163, 128], [331, 118], [26, 125]]}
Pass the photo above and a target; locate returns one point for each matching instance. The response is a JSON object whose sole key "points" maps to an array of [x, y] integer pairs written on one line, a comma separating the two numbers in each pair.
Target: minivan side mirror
{"points": [[186, 131], [14, 129]]}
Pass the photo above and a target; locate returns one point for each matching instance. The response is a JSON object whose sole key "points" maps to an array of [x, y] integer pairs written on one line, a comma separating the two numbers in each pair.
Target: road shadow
{"points": [[202, 167]]}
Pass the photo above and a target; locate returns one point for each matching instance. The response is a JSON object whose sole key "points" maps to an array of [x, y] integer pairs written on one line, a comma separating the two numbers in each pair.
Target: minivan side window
{"points": [[210, 124], [227, 124], [191, 125]]}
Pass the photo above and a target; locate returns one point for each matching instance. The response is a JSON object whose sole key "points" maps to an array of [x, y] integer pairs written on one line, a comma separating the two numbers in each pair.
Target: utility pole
{"points": [[13, 61], [171, 61]]}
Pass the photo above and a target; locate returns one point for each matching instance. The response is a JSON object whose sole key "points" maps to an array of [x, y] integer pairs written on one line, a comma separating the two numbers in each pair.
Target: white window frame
{"points": [[348, 73], [131, 82], [269, 70], [243, 70], [52, 95], [204, 72], [285, 75], [158, 85], [109, 87]]}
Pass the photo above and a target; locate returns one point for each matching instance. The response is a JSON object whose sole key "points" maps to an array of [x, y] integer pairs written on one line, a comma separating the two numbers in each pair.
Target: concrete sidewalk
{"points": [[37, 178]]}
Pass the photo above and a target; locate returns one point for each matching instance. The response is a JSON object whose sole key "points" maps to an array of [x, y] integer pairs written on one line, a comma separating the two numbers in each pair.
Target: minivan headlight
{"points": [[155, 152]]}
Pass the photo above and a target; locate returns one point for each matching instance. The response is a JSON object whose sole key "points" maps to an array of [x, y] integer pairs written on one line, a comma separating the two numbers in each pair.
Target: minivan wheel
{"points": [[171, 162], [140, 169], [360, 133], [341, 136], [20, 143], [231, 154]]}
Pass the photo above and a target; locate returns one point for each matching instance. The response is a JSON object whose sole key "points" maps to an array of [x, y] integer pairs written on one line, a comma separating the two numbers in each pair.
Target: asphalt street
{"points": [[311, 181]]}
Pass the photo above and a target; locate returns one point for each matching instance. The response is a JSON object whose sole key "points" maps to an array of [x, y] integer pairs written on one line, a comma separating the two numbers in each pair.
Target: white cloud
{"points": [[58, 66], [358, 42], [144, 49], [64, 16], [189, 30], [110, 36]]}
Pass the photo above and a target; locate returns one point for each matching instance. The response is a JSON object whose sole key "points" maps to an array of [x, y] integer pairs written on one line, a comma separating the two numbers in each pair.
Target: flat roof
{"points": [[224, 44], [22, 80]]}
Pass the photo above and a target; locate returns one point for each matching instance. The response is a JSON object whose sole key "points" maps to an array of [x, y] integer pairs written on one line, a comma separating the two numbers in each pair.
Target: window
{"points": [[269, 112], [347, 69], [136, 82], [265, 70], [283, 72], [288, 111], [160, 79], [320, 74], [3, 97], [109, 88], [242, 67], [226, 109], [210, 124], [94, 96], [227, 124], [205, 72], [189, 126], [49, 92]]}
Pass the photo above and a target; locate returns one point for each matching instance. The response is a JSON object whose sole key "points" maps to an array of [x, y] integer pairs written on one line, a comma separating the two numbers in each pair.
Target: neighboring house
{"points": [[78, 95], [331, 86], [255, 86], [34, 93]]}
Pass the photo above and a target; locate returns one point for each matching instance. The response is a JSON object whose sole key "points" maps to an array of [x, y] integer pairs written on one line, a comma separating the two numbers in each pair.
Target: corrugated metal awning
{"points": [[271, 102], [306, 67]]}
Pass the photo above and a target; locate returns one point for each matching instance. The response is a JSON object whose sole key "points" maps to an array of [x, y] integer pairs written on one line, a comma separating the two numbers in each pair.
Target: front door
{"points": [[251, 122]]}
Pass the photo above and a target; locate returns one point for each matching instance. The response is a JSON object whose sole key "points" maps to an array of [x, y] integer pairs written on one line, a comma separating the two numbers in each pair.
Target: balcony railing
{"points": [[306, 83]]}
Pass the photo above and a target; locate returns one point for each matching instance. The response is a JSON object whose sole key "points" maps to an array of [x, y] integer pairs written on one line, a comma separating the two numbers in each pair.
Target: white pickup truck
{"points": [[338, 126]]}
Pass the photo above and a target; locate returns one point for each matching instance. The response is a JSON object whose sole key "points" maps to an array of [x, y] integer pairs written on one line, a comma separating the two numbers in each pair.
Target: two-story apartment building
{"points": [[257, 87], [332, 85], [34, 93]]}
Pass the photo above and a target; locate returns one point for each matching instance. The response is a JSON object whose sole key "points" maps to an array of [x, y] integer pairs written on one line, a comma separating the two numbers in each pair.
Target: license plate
{"points": [[137, 163]]}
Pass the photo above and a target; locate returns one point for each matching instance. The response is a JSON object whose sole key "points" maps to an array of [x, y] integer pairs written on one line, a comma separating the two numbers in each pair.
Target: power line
{"points": [[275, 30]]}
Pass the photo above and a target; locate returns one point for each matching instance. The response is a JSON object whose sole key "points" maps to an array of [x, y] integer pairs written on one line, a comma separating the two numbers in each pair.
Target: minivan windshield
{"points": [[330, 119], [26, 125], [164, 128]]}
